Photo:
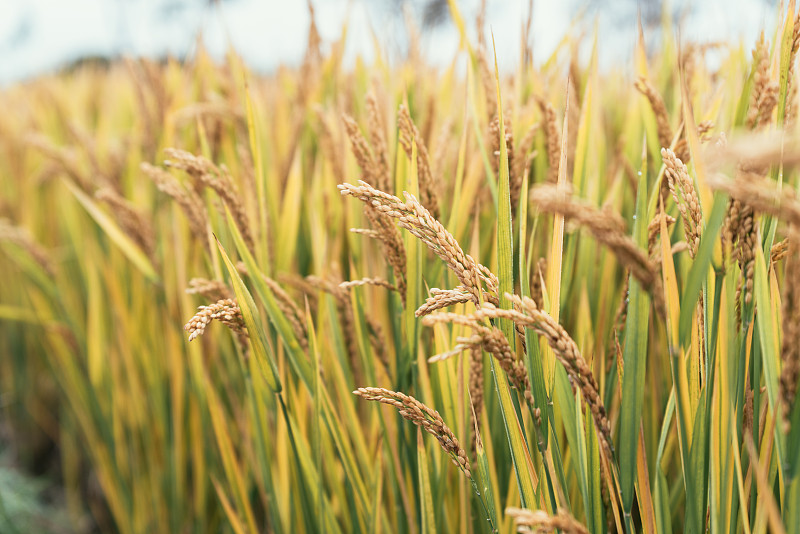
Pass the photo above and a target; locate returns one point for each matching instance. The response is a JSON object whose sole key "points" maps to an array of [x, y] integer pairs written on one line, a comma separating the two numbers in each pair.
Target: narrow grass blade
{"points": [[317, 439], [534, 360], [32, 269], [255, 327], [696, 489], [767, 326], [791, 514], [738, 466], [663, 509], [117, 236], [505, 238], [553, 287], [635, 361], [310, 480], [594, 509], [426, 502], [580, 452], [765, 491], [483, 483], [297, 356], [233, 471], [699, 271], [254, 139], [646, 508], [523, 466], [233, 518]]}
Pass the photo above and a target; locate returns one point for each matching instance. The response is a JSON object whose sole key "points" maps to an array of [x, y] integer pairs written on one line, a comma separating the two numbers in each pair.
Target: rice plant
{"points": [[573, 294]]}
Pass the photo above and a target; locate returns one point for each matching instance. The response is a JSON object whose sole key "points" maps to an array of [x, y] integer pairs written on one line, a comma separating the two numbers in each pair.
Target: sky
{"points": [[38, 36]]}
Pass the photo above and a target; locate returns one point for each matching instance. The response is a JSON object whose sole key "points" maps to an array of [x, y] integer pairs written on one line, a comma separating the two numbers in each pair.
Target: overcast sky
{"points": [[40, 35]]}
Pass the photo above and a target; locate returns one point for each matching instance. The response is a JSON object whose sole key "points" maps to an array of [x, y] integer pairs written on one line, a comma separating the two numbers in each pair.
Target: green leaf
{"points": [[581, 460], [662, 505], [117, 236], [310, 479], [698, 274], [413, 263], [255, 327], [523, 465], [534, 360], [767, 326], [483, 484], [792, 511], [634, 360], [297, 357], [594, 508], [426, 503], [258, 163], [696, 488]]}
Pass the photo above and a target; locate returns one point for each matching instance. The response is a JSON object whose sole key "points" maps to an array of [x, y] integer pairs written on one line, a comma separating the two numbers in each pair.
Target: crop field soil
{"points": [[404, 298]]}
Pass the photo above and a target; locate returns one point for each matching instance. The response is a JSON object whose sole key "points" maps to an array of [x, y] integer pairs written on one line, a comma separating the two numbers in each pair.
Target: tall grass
{"points": [[581, 289]]}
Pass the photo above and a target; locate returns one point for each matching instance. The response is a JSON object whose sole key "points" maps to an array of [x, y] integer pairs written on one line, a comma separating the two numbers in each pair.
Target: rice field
{"points": [[402, 298]]}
